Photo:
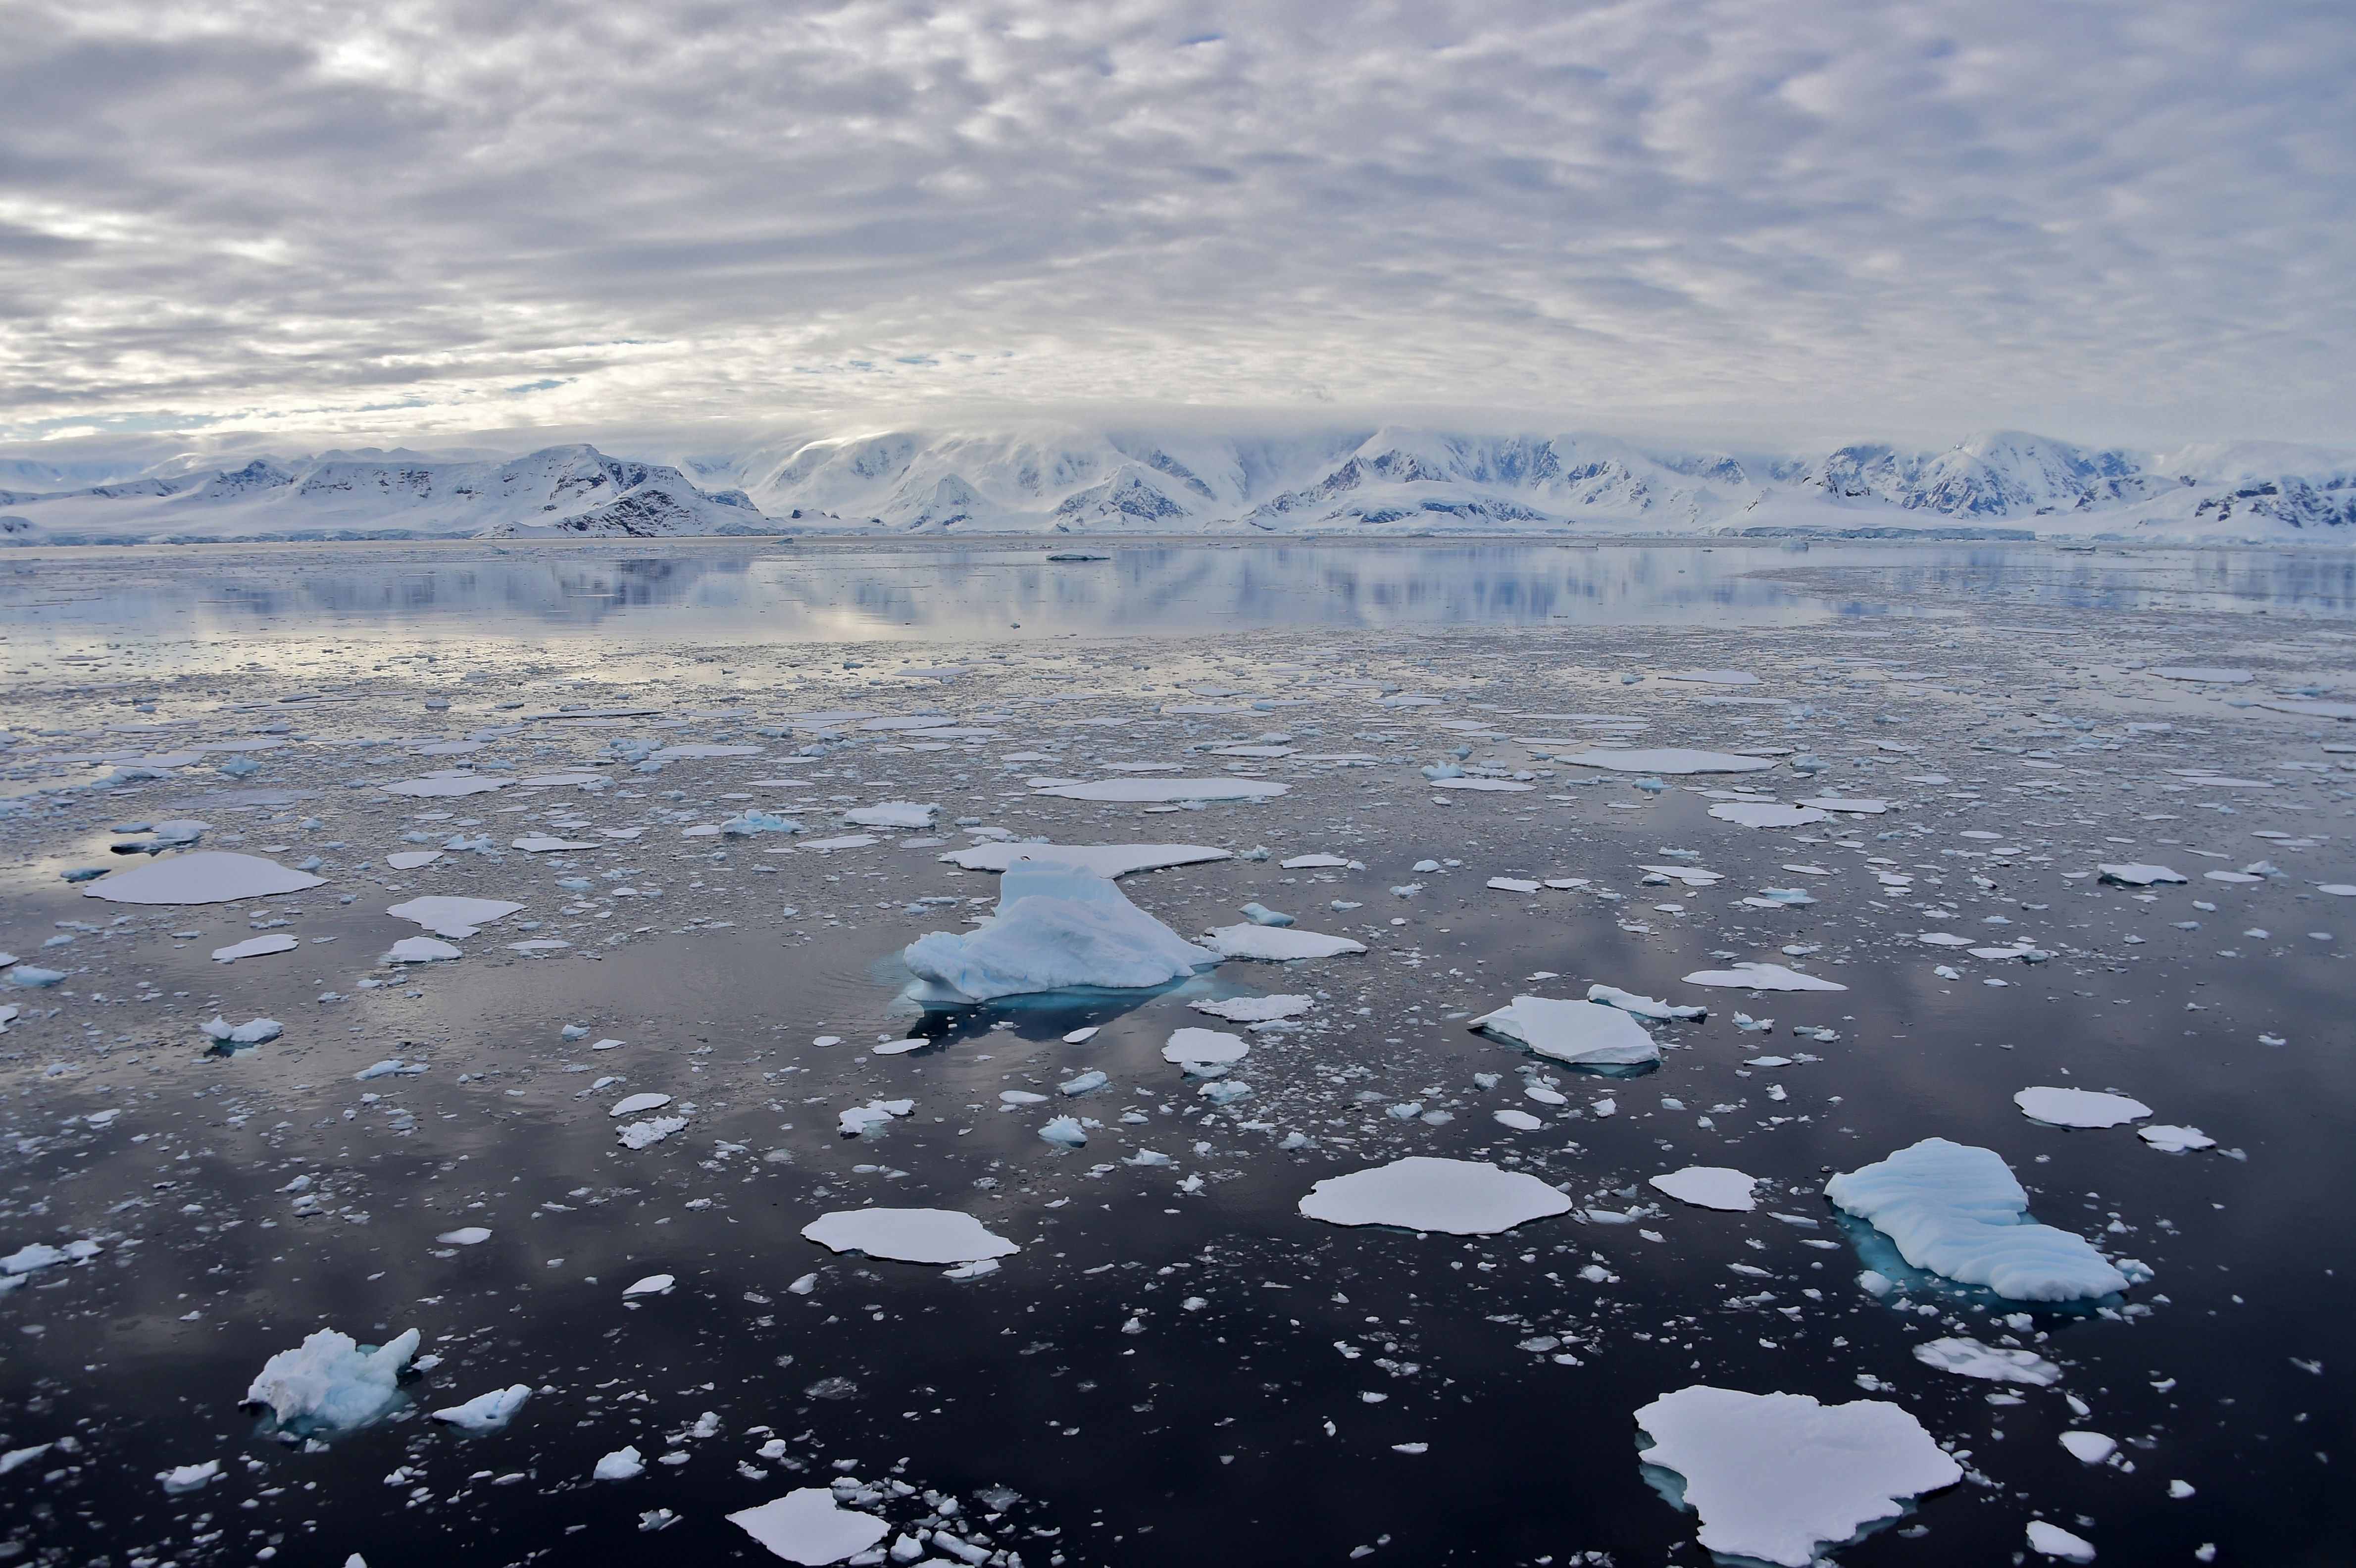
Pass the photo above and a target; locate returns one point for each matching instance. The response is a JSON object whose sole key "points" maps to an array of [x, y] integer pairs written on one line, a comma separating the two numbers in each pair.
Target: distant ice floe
{"points": [[1670, 759], [893, 814], [1144, 791], [1056, 926], [809, 1527], [542, 843], [255, 947], [1710, 1186], [452, 916], [1992, 1363], [909, 1235], [1957, 1210], [2079, 1107], [1277, 944], [1256, 1009], [1762, 977], [207, 876], [1715, 677], [1778, 1477], [1584, 1033], [2138, 875], [420, 949], [411, 859], [330, 1382], [253, 1032], [1107, 860], [1767, 814], [443, 785], [1456, 1197], [637, 1105]]}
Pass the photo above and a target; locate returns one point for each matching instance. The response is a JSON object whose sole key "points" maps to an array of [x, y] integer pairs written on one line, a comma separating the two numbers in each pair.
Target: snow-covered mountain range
{"points": [[1337, 480]]}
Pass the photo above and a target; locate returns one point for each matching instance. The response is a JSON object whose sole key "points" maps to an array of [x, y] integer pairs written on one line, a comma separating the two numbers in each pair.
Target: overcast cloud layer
{"points": [[2111, 220]]}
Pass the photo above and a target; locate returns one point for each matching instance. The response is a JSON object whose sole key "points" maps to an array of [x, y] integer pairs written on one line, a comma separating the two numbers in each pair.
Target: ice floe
{"points": [[420, 949], [253, 1032], [1458, 1197], [1762, 977], [411, 859], [653, 1284], [634, 1104], [1584, 1033], [1103, 859], [1991, 1363], [1206, 1048], [2089, 1447], [207, 876], [636, 1135], [809, 1527], [1672, 759], [1644, 1006], [2138, 875], [622, 1465], [1957, 1210], [330, 1382], [1277, 944], [255, 947], [893, 814], [1056, 926], [1156, 790], [909, 1235], [1776, 1477], [2206, 675], [2175, 1140], [2048, 1540], [465, 1236], [1767, 814], [2079, 1107], [486, 1412], [452, 916], [443, 785], [1255, 1009], [541, 844], [1710, 1186]]}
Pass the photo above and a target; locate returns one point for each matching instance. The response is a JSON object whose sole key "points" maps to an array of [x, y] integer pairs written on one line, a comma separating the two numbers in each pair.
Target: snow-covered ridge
{"points": [[1053, 478]]}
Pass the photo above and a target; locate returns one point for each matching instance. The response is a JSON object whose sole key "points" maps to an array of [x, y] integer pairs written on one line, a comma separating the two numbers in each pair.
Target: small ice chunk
{"points": [[1081, 1037], [653, 1284], [486, 1412], [189, 1478], [621, 1465], [1520, 1120], [1106, 860], [1313, 863], [1459, 1198], [411, 859], [2175, 1140], [34, 977], [1643, 1006], [1256, 1009], [1065, 1133], [420, 949], [255, 947], [1767, 814], [2137, 876], [1956, 1211], [1761, 977], [1207, 1047], [1056, 926], [1675, 759], [1710, 1186], [542, 843], [1084, 1083], [1276, 945], [465, 1236], [2089, 1447], [2079, 1107], [1995, 1364], [329, 1380], [809, 1527], [648, 1133], [1511, 885], [1583, 1032], [909, 1235], [253, 1032], [632, 1105], [1020, 1097], [2052, 1541], [1150, 790]]}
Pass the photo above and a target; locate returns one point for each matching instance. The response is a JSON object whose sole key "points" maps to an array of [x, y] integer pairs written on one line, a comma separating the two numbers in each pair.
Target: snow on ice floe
{"points": [[1767, 814], [2138, 875], [1056, 926], [454, 918], [1458, 1197], [2051, 1541], [909, 1235], [1643, 1006], [1957, 1210], [809, 1527], [330, 1382], [2175, 1140], [1207, 1047], [1580, 1033], [1256, 1009], [2079, 1107], [1710, 1186], [1761, 977], [1991, 1363], [1671, 759], [438, 786], [486, 1412], [1147, 791], [1277, 944], [1774, 1477], [255, 947], [893, 814], [1107, 860], [208, 876]]}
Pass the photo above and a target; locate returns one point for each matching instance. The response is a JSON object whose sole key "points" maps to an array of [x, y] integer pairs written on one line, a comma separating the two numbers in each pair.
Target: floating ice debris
{"points": [[841, 841], [454, 918], [41, 1255], [808, 1526], [1761, 977], [330, 1382], [420, 950], [648, 1133], [856, 1121], [2089, 1447], [1943, 940], [1081, 1037], [1674, 759], [1956, 1211], [1107, 860], [2175, 1140], [1715, 677], [1261, 915], [1520, 1120], [1970, 1358], [1020, 1097], [541, 844], [1691, 875], [1459, 1198], [439, 785], [255, 947], [746, 823], [1643, 1006], [893, 814], [634, 1104], [2052, 1541], [1065, 1132], [208, 876], [2138, 875], [1582, 1033], [1256, 1009], [653, 1284], [1767, 814], [2204, 673], [465, 1236], [1313, 863], [390, 1068], [1210, 1047], [1511, 885], [897, 1048], [34, 978], [486, 1412], [1226, 1090], [973, 1270], [1087, 1081], [2079, 1107], [1774, 1477], [1479, 783], [2338, 889], [411, 859], [189, 1478], [253, 1032], [1710, 1186], [621, 1465], [1056, 926], [1153, 791], [1277, 944], [909, 1235]]}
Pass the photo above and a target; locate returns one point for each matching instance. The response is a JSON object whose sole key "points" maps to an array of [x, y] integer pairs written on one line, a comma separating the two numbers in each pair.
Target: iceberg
{"points": [[1956, 1211], [809, 1527], [1458, 1197], [1585, 1033], [329, 1381], [1056, 926], [210, 877], [909, 1235], [1775, 1477], [486, 1412]]}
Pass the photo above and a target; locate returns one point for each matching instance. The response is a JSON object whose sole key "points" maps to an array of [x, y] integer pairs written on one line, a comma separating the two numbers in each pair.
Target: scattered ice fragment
{"points": [[1943, 940], [909, 1235], [2052, 1541], [1459, 1198], [41, 1255], [542, 843], [653, 1284], [420, 950], [1582, 1033], [1056, 926], [455, 782], [621, 1465], [2089, 1447], [486, 1412], [2079, 1107], [465, 1236], [1520, 1120], [1065, 1131], [1956, 1211], [2181, 1490], [1084, 1083], [2175, 1140], [2137, 876], [645, 1134], [1261, 915], [1873, 1282], [972, 1271], [748, 822], [1020, 1097], [1970, 1358], [2205, 673], [208, 877], [893, 814], [809, 1527], [1762, 977], [253, 1032], [411, 859], [452, 916], [1276, 945], [255, 947], [1710, 1186], [391, 1066], [1643, 1006], [856, 1121], [897, 1048], [189, 1478], [1205, 1047], [1226, 1090], [633, 1104], [1775, 1477], [1312, 861], [1081, 1037], [330, 1382], [1676, 760], [1847, 804]]}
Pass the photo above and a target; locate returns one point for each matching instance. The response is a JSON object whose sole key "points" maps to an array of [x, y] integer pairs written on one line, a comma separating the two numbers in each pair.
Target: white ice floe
{"points": [[1458, 1197], [860, 1119], [330, 1382], [253, 1032], [841, 841], [653, 1284], [1065, 1132], [893, 814], [1255, 1009], [1715, 677], [1710, 1186], [2206, 675], [1208, 1047], [1943, 940], [2052, 1541], [809, 1527], [208, 876], [1644, 1006], [436, 786], [621, 1465], [2175, 1140], [411, 859], [1847, 804], [1991, 1363], [2138, 875], [188, 1477], [634, 1104], [1104, 859], [541, 844], [1691, 875], [2079, 1107], [1519, 1120], [1774, 1477], [1277, 944], [41, 1255], [420, 950], [1582, 1033], [1511, 885], [1056, 926], [451, 916], [1672, 759], [645, 1134], [1767, 814], [255, 947], [486, 1412], [465, 1236], [2089, 1447], [1956, 1211], [1155, 790], [697, 750], [1761, 977], [909, 1235], [1312, 861], [1504, 786]]}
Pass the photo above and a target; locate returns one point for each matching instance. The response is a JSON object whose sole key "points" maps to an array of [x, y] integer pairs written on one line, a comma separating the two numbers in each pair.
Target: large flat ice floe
{"points": [[1774, 1477], [909, 1235], [809, 1527], [450, 916], [208, 876], [1956, 1211], [1256, 1009], [1277, 944], [330, 1382], [1991, 1363], [1457, 1197], [1710, 1186], [1104, 859], [1762, 977], [2079, 1107], [1056, 926], [1587, 1034], [1669, 760], [1148, 791], [1767, 814]]}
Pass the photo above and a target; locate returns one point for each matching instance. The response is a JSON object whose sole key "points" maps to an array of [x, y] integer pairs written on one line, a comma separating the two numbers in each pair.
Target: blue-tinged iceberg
{"points": [[1056, 926], [1956, 1211]]}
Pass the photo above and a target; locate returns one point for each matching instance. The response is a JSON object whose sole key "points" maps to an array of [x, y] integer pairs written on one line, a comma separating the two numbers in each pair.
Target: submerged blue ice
{"points": [[1056, 926], [1957, 1210]]}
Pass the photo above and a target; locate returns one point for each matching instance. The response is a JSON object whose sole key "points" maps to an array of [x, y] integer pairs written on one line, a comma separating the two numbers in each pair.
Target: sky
{"points": [[424, 221]]}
